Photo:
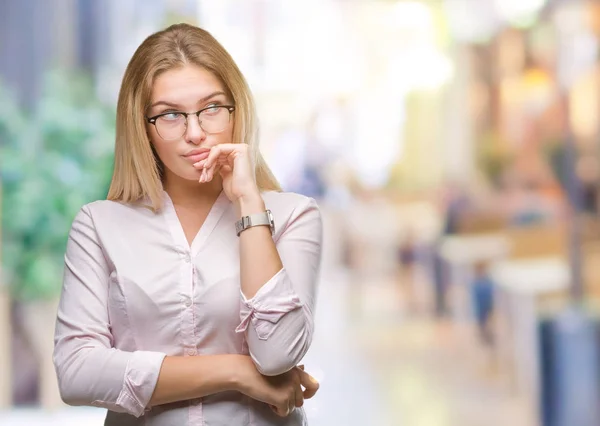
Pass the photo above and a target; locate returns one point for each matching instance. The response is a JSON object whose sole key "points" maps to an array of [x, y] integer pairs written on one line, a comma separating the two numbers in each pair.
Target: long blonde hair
{"points": [[137, 170]]}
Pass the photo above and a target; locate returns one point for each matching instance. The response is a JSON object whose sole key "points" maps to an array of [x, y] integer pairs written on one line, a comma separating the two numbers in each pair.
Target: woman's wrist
{"points": [[249, 204], [239, 377]]}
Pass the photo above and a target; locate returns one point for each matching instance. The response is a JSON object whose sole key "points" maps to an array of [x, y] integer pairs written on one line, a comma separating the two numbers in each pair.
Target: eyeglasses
{"points": [[172, 125]]}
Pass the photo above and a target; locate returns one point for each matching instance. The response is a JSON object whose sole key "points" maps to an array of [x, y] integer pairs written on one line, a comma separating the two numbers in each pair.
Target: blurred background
{"points": [[453, 146]]}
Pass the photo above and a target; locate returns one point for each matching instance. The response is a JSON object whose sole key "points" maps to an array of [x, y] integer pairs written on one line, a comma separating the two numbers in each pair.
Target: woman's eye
{"points": [[213, 109], [171, 116]]}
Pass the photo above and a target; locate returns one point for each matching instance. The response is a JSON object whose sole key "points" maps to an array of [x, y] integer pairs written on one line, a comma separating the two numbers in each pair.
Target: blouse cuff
{"points": [[272, 301], [141, 376]]}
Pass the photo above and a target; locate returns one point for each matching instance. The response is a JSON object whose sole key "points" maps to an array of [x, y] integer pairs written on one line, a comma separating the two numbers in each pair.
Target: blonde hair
{"points": [[137, 169]]}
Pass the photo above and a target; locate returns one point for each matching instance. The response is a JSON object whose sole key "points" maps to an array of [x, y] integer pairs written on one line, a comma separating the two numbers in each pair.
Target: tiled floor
{"points": [[378, 365]]}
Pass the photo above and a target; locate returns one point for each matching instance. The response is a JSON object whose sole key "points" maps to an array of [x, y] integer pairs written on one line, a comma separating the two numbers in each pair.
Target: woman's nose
{"points": [[194, 132]]}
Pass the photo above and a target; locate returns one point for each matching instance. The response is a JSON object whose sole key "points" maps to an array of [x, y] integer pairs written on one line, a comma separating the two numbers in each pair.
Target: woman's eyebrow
{"points": [[165, 103], [212, 95], [173, 105]]}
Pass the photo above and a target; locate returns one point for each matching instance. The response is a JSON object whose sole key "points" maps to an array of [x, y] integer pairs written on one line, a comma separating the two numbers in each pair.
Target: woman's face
{"points": [[180, 145]]}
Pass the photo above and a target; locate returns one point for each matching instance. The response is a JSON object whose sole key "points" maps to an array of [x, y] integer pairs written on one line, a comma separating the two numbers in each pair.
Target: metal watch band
{"points": [[258, 219]]}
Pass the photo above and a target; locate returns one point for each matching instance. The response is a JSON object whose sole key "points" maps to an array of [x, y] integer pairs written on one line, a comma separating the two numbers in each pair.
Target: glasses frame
{"points": [[152, 120]]}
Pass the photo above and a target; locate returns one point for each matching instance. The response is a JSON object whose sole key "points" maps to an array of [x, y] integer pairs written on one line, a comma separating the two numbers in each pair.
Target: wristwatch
{"points": [[260, 219]]}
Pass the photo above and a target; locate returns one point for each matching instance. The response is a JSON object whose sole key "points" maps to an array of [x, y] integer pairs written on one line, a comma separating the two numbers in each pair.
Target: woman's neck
{"points": [[189, 193]]}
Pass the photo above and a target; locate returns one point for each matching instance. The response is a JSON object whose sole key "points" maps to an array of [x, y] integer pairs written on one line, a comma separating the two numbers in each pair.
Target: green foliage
{"points": [[53, 160]]}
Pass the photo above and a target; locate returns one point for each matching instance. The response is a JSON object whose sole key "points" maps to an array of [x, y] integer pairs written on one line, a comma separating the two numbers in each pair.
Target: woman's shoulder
{"points": [[109, 210], [107, 206]]}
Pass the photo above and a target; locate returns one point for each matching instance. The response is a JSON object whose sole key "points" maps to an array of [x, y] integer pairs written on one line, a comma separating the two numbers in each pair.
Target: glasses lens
{"points": [[215, 119], [171, 126]]}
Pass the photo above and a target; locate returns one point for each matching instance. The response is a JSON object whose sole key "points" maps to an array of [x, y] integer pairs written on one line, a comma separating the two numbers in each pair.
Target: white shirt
{"points": [[134, 291]]}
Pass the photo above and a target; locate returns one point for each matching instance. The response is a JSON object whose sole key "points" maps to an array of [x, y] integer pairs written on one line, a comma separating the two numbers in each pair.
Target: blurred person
{"points": [[188, 295], [440, 281], [407, 257], [588, 174], [482, 297], [457, 204], [454, 205]]}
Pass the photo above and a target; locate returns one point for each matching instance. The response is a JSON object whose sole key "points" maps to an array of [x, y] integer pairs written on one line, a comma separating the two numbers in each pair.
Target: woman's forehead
{"points": [[186, 83]]}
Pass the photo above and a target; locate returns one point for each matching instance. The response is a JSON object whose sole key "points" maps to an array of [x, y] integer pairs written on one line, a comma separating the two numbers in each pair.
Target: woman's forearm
{"points": [[183, 378], [259, 259], [276, 311]]}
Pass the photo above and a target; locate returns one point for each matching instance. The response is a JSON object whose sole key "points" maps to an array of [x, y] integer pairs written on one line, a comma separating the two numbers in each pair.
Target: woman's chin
{"points": [[189, 175], [192, 174]]}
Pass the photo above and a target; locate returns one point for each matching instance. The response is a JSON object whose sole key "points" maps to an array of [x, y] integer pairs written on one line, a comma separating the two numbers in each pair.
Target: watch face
{"points": [[271, 220]]}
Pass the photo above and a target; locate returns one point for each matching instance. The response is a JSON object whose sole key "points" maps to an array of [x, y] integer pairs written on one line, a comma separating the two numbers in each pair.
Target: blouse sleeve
{"points": [[278, 320], [90, 370]]}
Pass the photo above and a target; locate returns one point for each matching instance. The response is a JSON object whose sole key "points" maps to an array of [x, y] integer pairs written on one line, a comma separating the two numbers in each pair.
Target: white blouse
{"points": [[135, 291]]}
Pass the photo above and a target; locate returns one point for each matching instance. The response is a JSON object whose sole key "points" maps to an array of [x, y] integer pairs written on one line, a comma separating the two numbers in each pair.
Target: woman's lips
{"points": [[194, 158]]}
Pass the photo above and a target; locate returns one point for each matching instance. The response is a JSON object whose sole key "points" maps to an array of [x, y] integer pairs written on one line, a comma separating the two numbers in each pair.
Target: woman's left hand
{"points": [[233, 163]]}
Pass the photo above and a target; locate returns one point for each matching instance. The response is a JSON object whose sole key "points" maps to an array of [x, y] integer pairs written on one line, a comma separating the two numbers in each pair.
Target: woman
{"points": [[189, 294]]}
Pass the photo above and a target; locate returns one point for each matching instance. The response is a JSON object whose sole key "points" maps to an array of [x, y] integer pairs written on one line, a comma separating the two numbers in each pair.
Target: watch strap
{"points": [[259, 219]]}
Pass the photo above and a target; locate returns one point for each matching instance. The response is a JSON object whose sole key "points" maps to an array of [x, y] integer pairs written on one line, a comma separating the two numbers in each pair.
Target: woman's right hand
{"points": [[282, 393]]}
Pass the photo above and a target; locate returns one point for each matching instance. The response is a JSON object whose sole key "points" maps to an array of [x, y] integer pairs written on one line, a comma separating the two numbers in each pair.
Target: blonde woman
{"points": [[189, 294]]}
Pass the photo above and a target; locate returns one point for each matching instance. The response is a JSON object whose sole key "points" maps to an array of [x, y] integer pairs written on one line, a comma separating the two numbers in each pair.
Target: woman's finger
{"points": [[225, 170], [291, 406], [220, 160], [223, 149], [310, 384], [299, 401], [283, 410], [292, 402], [213, 171]]}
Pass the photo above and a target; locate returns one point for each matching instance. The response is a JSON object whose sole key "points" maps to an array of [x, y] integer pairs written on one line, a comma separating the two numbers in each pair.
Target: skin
{"points": [[193, 186]]}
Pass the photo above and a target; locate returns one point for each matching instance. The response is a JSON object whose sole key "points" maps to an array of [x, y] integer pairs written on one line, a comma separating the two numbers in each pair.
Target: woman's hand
{"points": [[282, 393], [232, 161], [296, 378]]}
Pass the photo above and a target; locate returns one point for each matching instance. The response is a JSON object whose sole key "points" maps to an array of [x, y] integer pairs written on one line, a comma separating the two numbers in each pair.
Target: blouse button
{"points": [[190, 351], [188, 302]]}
